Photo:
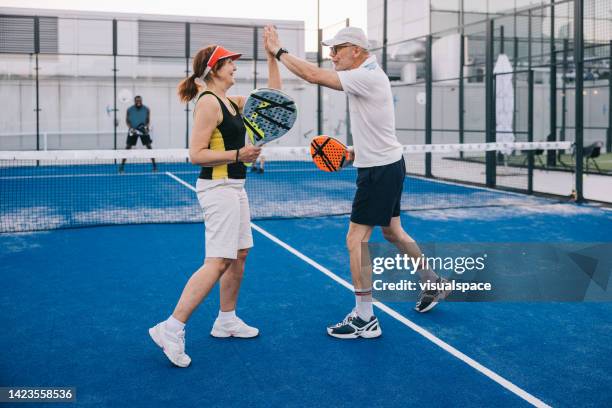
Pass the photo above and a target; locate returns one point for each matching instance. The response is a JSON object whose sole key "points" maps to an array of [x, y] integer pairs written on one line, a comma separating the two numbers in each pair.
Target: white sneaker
{"points": [[233, 328], [172, 343]]}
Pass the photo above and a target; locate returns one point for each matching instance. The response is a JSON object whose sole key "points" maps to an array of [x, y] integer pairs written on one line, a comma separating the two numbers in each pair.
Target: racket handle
{"points": [[350, 158]]}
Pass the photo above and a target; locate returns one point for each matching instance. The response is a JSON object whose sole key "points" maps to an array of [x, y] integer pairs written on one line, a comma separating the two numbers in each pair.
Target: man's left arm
{"points": [[310, 72], [303, 69]]}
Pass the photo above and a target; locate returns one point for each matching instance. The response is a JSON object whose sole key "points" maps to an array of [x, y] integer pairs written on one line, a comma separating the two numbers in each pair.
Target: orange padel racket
{"points": [[328, 153]]}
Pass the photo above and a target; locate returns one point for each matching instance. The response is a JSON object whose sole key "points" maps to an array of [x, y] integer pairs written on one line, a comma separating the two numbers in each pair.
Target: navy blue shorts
{"points": [[133, 139], [379, 194]]}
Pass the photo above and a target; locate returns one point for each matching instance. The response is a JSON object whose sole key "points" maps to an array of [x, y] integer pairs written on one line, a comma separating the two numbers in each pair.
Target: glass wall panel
{"points": [[18, 93], [76, 101]]}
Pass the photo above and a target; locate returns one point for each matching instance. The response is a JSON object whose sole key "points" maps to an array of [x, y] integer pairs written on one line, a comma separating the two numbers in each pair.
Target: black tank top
{"points": [[229, 135]]}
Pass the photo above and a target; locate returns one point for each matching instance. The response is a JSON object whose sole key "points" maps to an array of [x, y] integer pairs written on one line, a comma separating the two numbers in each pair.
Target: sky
{"points": [[331, 11]]}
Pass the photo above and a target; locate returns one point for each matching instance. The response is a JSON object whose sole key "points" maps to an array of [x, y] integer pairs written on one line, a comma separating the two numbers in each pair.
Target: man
{"points": [[378, 157], [138, 117]]}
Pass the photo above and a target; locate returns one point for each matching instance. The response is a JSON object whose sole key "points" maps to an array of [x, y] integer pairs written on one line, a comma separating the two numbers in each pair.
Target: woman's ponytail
{"points": [[188, 88]]}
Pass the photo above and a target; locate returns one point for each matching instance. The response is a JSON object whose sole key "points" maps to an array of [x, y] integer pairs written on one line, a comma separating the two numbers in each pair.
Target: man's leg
{"points": [[148, 145], [361, 322], [361, 274], [396, 235], [428, 299], [122, 166], [357, 235]]}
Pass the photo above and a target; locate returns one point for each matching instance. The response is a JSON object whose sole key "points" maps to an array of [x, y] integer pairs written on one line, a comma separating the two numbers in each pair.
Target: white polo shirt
{"points": [[372, 114]]}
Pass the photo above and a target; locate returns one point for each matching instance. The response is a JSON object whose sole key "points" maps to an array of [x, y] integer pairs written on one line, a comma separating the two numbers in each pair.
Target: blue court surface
{"points": [[75, 194], [76, 305]]}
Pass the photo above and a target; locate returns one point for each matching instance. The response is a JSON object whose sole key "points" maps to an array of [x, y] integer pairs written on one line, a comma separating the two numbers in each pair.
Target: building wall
{"points": [[76, 113], [407, 19], [76, 85]]}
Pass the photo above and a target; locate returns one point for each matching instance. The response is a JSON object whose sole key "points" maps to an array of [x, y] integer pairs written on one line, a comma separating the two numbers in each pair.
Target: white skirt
{"points": [[227, 217]]}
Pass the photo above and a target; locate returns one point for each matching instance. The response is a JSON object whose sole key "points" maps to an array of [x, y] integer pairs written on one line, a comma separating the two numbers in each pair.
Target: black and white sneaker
{"points": [[354, 326], [428, 299], [347, 319]]}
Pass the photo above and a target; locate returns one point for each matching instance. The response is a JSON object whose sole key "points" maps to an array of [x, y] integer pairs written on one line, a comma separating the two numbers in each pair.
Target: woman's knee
{"points": [[220, 264], [242, 254]]}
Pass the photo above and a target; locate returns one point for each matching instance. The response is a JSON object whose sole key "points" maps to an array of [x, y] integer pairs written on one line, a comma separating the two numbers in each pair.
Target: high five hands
{"points": [[271, 41]]}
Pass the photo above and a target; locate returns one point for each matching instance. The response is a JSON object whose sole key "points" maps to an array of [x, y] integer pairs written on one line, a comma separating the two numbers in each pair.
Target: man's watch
{"points": [[280, 52]]}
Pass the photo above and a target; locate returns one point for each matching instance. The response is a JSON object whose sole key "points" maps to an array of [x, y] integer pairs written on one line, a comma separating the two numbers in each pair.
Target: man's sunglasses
{"points": [[334, 50]]}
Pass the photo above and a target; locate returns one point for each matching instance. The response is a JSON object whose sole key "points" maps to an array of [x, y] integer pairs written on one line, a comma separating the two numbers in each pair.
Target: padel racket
{"points": [[268, 114], [328, 153]]}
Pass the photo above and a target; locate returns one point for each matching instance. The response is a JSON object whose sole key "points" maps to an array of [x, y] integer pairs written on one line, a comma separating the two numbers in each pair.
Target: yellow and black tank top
{"points": [[229, 135]]}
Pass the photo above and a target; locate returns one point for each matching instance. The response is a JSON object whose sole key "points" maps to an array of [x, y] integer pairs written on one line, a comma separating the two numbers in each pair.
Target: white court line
{"points": [[52, 176], [402, 319], [183, 182], [117, 174]]}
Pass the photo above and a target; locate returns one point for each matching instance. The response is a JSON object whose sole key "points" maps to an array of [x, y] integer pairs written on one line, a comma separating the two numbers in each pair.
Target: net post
{"points": [[564, 90], [36, 52], [530, 158], [609, 134], [529, 35], [385, 39], [514, 68], [428, 103], [319, 93], [552, 136], [347, 120], [579, 86], [461, 90], [187, 72], [490, 105], [115, 124], [255, 52]]}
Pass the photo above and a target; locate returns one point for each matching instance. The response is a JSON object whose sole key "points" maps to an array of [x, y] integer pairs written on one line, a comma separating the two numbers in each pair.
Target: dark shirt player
{"points": [[138, 118]]}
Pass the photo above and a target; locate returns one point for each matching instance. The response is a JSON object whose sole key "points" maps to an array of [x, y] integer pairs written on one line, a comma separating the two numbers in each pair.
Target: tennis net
{"points": [[64, 189]]}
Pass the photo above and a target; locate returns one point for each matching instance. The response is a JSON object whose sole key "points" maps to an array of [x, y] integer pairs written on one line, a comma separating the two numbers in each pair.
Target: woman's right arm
{"points": [[207, 117]]}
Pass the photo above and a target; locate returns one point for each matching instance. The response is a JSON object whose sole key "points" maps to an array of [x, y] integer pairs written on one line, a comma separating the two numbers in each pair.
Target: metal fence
{"points": [[70, 80], [444, 83], [560, 54]]}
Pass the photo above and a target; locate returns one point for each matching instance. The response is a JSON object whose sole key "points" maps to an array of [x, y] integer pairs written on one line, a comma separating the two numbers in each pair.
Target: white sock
{"points": [[225, 316], [363, 300], [174, 325]]}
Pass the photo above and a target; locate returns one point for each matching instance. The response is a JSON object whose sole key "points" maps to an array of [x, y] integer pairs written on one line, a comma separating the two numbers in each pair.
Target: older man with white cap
{"points": [[379, 161]]}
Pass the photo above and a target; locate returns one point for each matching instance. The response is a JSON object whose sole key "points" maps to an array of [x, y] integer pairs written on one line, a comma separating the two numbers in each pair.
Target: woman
{"points": [[218, 145]]}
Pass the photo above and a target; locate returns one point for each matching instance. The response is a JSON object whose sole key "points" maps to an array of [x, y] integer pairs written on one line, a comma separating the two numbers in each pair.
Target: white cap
{"points": [[352, 35]]}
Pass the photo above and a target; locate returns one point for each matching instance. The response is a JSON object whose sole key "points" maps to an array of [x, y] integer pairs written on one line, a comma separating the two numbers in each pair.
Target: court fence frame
{"points": [[564, 59], [513, 34]]}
